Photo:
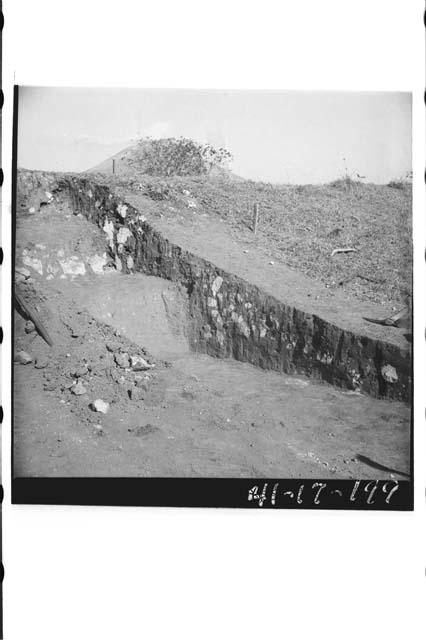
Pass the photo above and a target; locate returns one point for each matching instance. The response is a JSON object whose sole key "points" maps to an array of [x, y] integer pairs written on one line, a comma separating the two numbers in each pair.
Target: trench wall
{"points": [[230, 317]]}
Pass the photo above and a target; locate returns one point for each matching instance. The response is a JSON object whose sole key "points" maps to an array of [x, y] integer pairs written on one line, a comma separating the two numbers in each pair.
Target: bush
{"points": [[179, 157]]}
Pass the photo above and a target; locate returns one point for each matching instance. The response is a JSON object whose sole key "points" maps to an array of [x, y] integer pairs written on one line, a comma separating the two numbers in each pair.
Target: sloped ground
{"points": [[190, 416], [301, 226]]}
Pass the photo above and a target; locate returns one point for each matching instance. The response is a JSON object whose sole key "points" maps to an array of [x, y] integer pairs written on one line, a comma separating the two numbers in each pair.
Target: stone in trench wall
{"points": [[233, 318]]}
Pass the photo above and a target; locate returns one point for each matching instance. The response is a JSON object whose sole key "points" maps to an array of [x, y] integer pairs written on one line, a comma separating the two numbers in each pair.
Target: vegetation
{"points": [[176, 157], [404, 182]]}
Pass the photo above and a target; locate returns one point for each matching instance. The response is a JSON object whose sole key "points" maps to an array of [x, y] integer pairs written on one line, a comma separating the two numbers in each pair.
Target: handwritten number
{"points": [[392, 491], [354, 490], [321, 486], [253, 494], [372, 492]]}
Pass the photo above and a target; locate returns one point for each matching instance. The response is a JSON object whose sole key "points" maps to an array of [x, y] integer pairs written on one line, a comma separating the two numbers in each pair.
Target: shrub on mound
{"points": [[177, 157]]}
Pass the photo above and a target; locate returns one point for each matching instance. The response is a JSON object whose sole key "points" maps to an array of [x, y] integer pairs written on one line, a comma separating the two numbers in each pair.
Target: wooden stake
{"points": [[255, 218], [113, 166]]}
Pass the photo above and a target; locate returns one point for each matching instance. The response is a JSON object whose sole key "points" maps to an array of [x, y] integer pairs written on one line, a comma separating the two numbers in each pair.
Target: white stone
{"points": [[97, 263], [31, 210], [130, 263], [122, 210], [243, 327], [100, 406], [109, 230], [123, 235], [118, 264], [73, 266], [23, 357], [51, 268], [389, 373], [139, 364], [217, 283], [34, 263]]}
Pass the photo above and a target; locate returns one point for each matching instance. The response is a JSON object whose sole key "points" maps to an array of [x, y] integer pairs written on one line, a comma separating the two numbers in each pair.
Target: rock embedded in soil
{"points": [[78, 389], [79, 372], [122, 360], [99, 406], [41, 362], [29, 326], [136, 394], [139, 364], [23, 357], [389, 373]]}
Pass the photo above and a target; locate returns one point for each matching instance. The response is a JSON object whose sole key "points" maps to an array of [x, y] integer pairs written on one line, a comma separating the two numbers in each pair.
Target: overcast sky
{"points": [[287, 137]]}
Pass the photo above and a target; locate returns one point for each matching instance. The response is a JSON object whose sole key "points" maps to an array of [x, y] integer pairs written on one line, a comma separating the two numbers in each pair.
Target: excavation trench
{"points": [[228, 316], [197, 415]]}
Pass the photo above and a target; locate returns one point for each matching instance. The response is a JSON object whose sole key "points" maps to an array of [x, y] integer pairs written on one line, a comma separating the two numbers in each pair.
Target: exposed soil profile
{"points": [[135, 317]]}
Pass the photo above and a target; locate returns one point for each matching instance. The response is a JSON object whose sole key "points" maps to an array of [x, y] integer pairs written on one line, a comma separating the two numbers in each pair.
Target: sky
{"points": [[276, 136]]}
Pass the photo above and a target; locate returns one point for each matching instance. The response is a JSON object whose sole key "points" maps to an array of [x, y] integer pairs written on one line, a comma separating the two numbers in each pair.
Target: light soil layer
{"points": [[203, 417]]}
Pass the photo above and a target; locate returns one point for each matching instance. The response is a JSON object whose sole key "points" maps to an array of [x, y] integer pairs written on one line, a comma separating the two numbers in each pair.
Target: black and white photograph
{"points": [[212, 284], [213, 312]]}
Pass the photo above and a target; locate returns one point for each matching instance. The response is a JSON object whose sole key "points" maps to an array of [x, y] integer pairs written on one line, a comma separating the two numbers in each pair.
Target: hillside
{"points": [[300, 226]]}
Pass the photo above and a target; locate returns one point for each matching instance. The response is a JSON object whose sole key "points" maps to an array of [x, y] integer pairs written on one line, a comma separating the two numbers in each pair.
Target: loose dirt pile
{"points": [[88, 361]]}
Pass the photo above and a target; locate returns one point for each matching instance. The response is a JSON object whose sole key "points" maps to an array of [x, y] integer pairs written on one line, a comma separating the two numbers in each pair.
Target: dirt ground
{"points": [[188, 415]]}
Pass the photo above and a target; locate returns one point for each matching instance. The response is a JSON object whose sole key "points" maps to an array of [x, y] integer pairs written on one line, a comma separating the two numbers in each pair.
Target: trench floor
{"points": [[207, 417]]}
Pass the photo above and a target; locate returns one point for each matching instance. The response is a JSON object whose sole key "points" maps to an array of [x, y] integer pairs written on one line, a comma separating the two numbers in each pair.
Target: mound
{"points": [[168, 157]]}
